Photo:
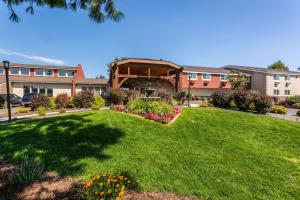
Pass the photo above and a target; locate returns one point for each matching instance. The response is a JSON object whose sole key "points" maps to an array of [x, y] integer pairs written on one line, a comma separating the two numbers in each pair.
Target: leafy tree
{"points": [[279, 65], [237, 80], [100, 77], [116, 59], [99, 10]]}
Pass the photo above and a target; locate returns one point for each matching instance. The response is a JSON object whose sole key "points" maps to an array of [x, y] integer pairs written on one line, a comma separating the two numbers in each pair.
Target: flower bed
{"points": [[158, 111]]}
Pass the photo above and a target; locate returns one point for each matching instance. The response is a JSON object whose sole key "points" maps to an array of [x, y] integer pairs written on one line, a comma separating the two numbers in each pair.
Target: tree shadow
{"points": [[60, 141]]}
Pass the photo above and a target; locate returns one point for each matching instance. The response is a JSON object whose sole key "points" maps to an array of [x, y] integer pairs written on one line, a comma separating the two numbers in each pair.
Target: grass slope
{"points": [[210, 153]]}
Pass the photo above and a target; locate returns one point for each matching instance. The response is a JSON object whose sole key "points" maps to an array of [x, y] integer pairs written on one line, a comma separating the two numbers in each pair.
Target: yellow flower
{"points": [[116, 190], [102, 193], [109, 191], [117, 185], [101, 184], [128, 182]]}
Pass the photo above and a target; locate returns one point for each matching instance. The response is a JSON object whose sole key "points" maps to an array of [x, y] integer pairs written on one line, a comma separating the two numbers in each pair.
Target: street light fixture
{"points": [[6, 68], [189, 89]]}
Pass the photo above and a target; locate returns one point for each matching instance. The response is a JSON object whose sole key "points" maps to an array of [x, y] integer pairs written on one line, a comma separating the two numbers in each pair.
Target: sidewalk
{"points": [[25, 116]]}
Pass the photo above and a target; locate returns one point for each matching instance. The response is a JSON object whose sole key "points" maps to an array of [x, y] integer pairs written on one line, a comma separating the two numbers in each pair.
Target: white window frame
{"points": [[223, 79], [287, 94], [287, 77], [274, 92], [193, 79], [24, 74], [19, 71], [275, 75], [38, 74], [206, 74], [66, 73], [52, 72]]}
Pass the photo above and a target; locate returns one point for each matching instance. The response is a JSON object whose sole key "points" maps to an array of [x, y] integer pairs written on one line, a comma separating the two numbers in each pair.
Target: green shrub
{"points": [[296, 105], [98, 102], [52, 104], [290, 101], [41, 111], [155, 107], [279, 109], [232, 104], [30, 171], [118, 96], [180, 97], [22, 110], [83, 99], [242, 99], [61, 101], [298, 113], [165, 96], [221, 98], [251, 106], [71, 102], [262, 103], [40, 101], [106, 187]]}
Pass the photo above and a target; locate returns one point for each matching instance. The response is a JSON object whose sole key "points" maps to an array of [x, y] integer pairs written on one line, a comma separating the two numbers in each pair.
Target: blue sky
{"points": [[191, 32]]}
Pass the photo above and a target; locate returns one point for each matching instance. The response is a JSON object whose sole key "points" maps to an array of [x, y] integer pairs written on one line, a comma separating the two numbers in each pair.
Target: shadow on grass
{"points": [[61, 141]]}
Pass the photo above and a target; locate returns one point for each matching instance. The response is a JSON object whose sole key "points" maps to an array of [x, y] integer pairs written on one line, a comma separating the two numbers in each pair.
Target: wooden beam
{"points": [[128, 70], [149, 72]]}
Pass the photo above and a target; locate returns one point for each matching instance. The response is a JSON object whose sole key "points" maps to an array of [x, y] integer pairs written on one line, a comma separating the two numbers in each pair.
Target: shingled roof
{"points": [[200, 69], [40, 66], [260, 69]]}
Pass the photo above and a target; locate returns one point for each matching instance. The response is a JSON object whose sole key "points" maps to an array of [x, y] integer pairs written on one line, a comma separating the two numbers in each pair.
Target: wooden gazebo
{"points": [[145, 70]]}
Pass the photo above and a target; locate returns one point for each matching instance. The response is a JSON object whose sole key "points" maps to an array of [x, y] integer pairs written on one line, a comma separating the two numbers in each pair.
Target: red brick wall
{"points": [[31, 73], [79, 72], [55, 73], [215, 82]]}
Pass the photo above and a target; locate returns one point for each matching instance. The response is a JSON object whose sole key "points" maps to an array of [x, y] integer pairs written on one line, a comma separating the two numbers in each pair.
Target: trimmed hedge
{"points": [[83, 99], [279, 109], [41, 100]]}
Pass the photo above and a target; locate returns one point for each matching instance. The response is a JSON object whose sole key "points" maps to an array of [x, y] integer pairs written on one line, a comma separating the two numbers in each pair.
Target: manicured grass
{"points": [[210, 153]]}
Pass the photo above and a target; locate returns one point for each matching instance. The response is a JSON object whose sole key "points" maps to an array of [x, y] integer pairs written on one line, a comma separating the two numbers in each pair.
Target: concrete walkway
{"points": [[291, 115], [3, 119]]}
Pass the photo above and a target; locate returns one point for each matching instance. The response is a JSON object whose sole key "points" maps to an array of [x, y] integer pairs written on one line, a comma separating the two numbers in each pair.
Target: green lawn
{"points": [[210, 153]]}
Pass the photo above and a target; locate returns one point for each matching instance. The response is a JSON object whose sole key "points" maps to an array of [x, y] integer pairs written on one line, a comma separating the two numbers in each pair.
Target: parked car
{"points": [[15, 100], [27, 98]]}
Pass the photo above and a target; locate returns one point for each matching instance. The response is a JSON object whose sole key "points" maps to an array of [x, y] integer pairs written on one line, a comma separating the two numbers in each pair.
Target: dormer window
{"points": [[14, 71], [276, 77], [224, 77], [287, 77], [49, 72], [62, 73], [71, 73], [206, 77], [39, 72], [25, 71]]}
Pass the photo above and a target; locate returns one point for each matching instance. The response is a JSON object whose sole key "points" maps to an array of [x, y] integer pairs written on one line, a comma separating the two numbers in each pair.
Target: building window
{"points": [[206, 76], [276, 84], [287, 84], [276, 77], [62, 73], [247, 79], [34, 89], [71, 73], [103, 91], [287, 77], [49, 72], [275, 92], [224, 77], [50, 92], [26, 89], [193, 76], [1, 70], [14, 71], [24, 71], [287, 92], [84, 88], [42, 89], [39, 72]]}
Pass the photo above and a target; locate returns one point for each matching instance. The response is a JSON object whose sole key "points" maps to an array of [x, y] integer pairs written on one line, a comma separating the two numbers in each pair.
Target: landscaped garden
{"points": [[209, 153]]}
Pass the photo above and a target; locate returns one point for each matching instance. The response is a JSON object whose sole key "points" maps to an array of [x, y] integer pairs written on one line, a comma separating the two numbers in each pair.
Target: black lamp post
{"points": [[6, 67], [189, 90]]}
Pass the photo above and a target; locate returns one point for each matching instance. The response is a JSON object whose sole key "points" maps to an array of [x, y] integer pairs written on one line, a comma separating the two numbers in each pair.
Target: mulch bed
{"points": [[53, 187]]}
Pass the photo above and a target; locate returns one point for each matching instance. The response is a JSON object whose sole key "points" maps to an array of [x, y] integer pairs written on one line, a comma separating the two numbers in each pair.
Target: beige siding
{"points": [[258, 82], [17, 88], [294, 85]]}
